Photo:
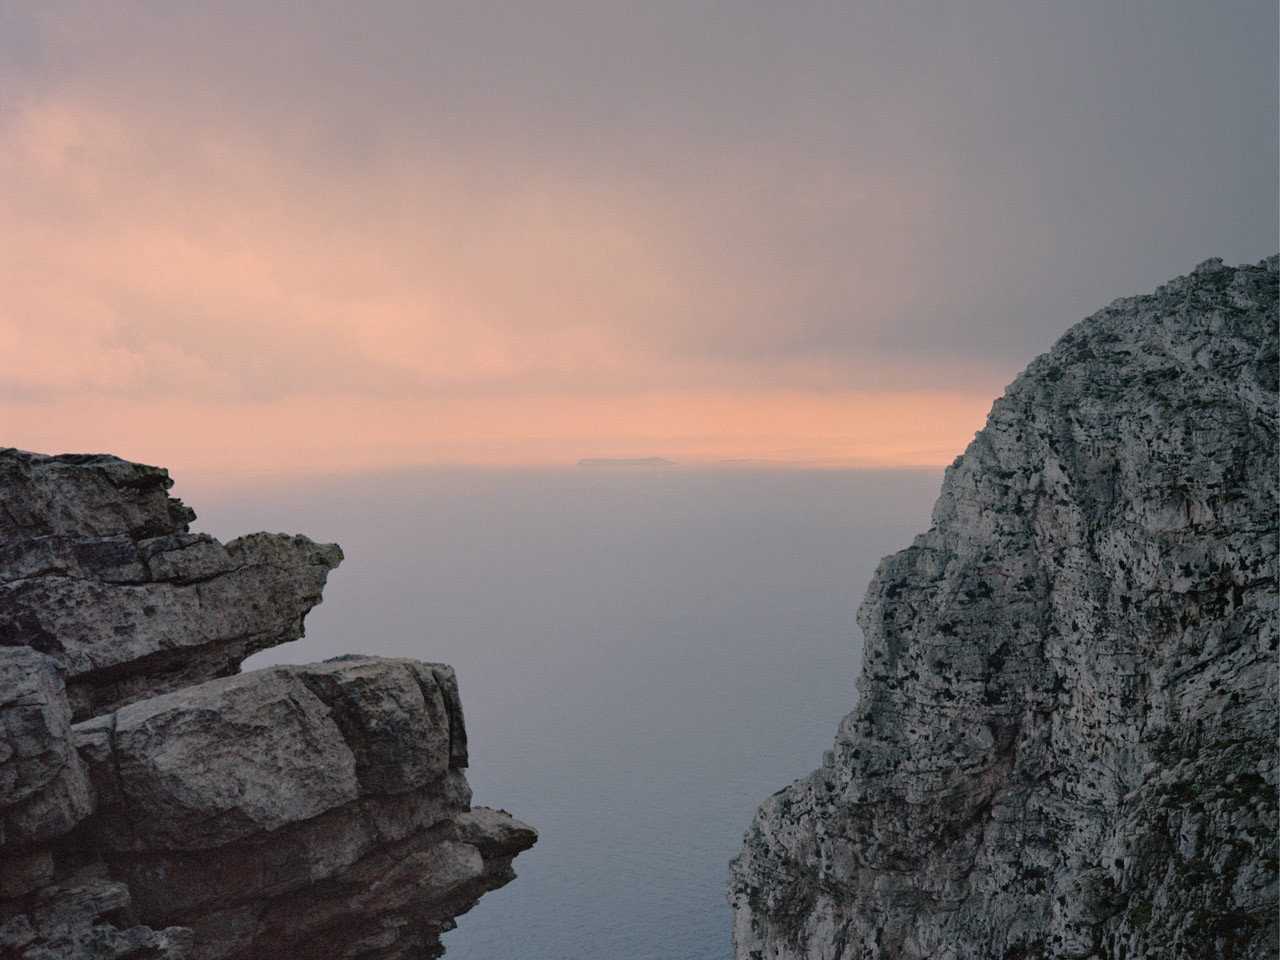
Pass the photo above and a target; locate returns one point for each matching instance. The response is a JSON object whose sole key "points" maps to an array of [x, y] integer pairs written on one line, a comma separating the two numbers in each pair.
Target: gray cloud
{"points": [[840, 190]]}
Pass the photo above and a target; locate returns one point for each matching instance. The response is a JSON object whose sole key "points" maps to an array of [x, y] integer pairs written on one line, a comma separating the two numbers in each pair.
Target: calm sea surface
{"points": [[645, 654]]}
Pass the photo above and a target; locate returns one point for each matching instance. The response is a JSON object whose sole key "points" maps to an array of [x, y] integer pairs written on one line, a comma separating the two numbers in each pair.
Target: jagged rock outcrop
{"points": [[98, 571], [155, 803], [1066, 734]]}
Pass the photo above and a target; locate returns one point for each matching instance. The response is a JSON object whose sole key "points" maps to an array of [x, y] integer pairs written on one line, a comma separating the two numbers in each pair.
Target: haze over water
{"points": [[644, 654]]}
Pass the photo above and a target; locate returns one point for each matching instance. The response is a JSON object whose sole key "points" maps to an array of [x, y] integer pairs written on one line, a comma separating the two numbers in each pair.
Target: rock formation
{"points": [[1066, 733], [156, 803]]}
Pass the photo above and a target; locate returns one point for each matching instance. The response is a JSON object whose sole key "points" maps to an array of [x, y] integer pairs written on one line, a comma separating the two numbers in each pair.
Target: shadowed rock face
{"points": [[156, 803], [1065, 740]]}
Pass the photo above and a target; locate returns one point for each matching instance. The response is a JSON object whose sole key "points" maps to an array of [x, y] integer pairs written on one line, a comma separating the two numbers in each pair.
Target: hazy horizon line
{"points": [[232, 478]]}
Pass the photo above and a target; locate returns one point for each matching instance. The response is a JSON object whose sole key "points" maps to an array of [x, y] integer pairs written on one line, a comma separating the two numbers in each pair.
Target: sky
{"points": [[242, 238]]}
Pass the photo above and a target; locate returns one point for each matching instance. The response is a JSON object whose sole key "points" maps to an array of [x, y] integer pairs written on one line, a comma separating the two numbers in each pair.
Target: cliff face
{"points": [[1065, 738], [155, 803]]}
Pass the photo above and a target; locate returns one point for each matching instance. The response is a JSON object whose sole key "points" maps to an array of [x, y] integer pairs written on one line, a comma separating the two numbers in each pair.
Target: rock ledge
{"points": [[156, 803]]}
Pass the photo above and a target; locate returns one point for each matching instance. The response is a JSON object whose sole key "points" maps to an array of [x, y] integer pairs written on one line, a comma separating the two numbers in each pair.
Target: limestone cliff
{"points": [[155, 803], [1065, 738]]}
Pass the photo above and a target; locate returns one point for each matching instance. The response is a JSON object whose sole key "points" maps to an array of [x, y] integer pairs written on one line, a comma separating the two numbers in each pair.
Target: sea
{"points": [[645, 654]]}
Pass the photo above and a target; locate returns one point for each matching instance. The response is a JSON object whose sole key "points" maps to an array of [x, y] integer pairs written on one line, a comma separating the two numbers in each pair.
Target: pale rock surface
{"points": [[1065, 738], [44, 791], [172, 608], [156, 803]]}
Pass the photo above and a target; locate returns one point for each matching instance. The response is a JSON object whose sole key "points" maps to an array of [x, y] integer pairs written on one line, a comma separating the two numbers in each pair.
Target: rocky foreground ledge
{"points": [[1065, 743], [155, 803]]}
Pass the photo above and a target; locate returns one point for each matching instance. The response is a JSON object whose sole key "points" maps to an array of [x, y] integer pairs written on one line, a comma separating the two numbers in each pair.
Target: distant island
{"points": [[626, 462]]}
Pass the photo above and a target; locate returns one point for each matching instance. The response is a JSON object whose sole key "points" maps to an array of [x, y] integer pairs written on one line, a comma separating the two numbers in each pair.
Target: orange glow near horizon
{"points": [[208, 305], [334, 435], [270, 238]]}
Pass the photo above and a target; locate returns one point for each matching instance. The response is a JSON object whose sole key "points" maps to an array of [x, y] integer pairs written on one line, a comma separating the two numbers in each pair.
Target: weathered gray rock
{"points": [[266, 816], [160, 622], [392, 715], [225, 760], [1065, 740], [43, 788], [72, 920], [194, 813], [84, 496]]}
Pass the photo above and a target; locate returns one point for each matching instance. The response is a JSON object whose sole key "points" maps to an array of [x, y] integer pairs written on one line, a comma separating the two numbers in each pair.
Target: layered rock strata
{"points": [[1065, 738], [155, 803]]}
